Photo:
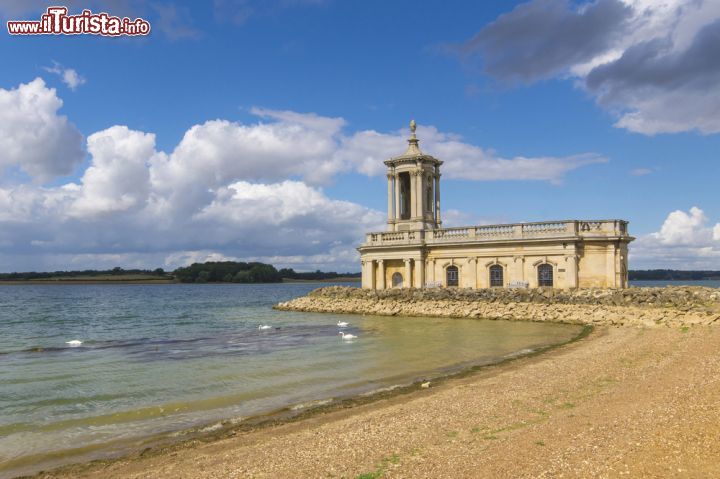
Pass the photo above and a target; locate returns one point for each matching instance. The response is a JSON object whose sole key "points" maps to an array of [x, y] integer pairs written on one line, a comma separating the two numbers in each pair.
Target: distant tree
{"points": [[241, 277], [202, 277], [287, 273]]}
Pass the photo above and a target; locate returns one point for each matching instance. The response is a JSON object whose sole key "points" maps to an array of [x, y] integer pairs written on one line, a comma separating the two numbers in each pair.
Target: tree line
{"points": [[19, 276], [672, 275], [228, 272], [315, 275], [239, 272], [210, 272]]}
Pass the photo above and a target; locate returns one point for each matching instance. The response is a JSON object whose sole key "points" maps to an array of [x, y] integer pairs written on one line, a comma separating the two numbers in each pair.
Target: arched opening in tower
{"points": [[405, 199]]}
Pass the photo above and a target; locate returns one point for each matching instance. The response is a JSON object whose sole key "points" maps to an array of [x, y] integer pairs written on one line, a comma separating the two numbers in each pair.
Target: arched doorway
{"points": [[397, 280], [496, 276], [545, 275], [451, 276]]}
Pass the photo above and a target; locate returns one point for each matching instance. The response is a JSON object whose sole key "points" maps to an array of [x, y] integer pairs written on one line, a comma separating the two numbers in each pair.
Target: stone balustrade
{"points": [[516, 231]]}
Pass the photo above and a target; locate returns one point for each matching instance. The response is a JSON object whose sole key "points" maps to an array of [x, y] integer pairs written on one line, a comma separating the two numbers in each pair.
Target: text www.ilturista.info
{"points": [[56, 21]]}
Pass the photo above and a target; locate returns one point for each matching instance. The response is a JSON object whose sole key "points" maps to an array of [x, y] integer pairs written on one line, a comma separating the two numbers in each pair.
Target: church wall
{"points": [[393, 266], [585, 264], [597, 266], [519, 263]]}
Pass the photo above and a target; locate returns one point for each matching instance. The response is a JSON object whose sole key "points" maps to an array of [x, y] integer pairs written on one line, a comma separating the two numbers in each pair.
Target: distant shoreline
{"points": [[87, 281]]}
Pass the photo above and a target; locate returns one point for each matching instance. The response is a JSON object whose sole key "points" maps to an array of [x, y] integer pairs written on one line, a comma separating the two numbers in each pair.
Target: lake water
{"points": [[710, 283], [157, 359]]}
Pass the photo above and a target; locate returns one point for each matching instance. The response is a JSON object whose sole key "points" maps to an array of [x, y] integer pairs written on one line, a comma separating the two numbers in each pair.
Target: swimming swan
{"points": [[74, 343], [343, 324], [264, 326], [347, 336]]}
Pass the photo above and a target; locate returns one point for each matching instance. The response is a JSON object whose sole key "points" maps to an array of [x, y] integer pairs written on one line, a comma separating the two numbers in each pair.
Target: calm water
{"points": [[157, 359], [658, 284]]}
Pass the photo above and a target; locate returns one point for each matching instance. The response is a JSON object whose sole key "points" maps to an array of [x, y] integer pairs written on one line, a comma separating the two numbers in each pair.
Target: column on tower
{"points": [[398, 187], [391, 210], [438, 221]]}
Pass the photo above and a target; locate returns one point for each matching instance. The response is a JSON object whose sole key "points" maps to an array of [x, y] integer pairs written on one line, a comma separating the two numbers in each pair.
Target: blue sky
{"points": [[257, 130]]}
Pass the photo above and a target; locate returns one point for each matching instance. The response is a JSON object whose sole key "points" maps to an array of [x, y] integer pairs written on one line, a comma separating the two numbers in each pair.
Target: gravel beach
{"points": [[622, 402]]}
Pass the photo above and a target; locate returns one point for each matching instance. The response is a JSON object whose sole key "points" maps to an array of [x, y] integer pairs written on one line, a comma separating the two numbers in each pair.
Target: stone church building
{"points": [[416, 251]]}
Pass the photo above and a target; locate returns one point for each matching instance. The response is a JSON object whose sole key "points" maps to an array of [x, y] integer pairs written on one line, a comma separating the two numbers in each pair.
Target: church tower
{"points": [[417, 252], [413, 189]]}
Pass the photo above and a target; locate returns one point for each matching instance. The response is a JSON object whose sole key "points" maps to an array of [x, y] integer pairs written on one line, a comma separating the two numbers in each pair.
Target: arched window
{"points": [[429, 199], [397, 280], [452, 276], [545, 275], [496, 276]]}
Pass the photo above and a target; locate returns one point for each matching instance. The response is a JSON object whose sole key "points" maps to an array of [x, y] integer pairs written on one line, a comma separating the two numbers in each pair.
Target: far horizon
{"points": [[711, 272]]}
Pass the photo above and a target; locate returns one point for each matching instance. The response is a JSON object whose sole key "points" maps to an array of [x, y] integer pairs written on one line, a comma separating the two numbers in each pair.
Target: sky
{"points": [[256, 130]]}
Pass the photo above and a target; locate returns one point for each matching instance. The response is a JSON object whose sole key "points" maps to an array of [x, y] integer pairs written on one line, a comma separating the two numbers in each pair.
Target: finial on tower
{"points": [[413, 148]]}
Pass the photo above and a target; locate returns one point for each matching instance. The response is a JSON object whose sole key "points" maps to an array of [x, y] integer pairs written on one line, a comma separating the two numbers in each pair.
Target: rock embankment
{"points": [[669, 306]]}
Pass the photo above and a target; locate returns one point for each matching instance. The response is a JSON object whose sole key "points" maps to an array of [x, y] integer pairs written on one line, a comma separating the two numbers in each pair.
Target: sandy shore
{"points": [[623, 402]]}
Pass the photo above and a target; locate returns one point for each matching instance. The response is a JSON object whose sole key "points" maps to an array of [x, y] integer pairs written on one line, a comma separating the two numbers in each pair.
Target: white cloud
{"points": [[123, 209], [685, 241], [682, 228], [70, 77], [219, 151], [641, 171], [654, 64], [227, 190], [33, 137], [366, 150], [118, 179]]}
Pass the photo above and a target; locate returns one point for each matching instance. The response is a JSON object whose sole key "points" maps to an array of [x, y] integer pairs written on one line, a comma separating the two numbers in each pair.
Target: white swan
{"points": [[264, 326], [343, 324], [347, 336], [73, 343]]}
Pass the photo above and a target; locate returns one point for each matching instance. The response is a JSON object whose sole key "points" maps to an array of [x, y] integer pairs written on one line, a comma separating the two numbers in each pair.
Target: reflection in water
{"points": [[162, 358]]}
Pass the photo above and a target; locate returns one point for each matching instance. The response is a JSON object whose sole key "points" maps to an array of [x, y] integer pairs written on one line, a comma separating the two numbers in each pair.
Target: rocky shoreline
{"points": [[668, 306]]}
